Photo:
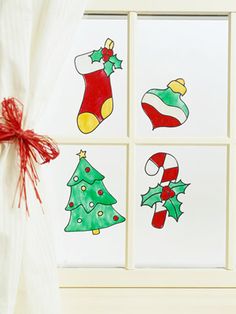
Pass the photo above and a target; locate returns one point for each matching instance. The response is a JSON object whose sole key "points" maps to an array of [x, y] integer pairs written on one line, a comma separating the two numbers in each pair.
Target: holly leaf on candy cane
{"points": [[173, 207], [152, 196], [178, 187], [173, 204], [96, 55]]}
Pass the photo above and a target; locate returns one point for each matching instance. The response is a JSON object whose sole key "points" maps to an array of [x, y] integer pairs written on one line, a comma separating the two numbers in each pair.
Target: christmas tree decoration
{"points": [[167, 190], [90, 203], [96, 67], [165, 107]]}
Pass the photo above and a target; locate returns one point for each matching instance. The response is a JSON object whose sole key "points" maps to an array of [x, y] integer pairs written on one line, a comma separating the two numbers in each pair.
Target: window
{"points": [[161, 47]]}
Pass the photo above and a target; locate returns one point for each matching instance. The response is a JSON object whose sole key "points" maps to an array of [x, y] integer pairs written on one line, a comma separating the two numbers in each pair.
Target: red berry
{"points": [[100, 192], [164, 196], [167, 189], [87, 169], [115, 218], [104, 51], [71, 204], [110, 52], [167, 193], [106, 58], [106, 54]]}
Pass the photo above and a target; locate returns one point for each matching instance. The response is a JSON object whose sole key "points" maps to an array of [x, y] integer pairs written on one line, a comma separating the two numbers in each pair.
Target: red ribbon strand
{"points": [[32, 148]]}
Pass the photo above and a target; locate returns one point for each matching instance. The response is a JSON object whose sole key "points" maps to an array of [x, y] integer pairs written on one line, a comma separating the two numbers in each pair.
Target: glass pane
{"points": [[91, 100], [182, 77], [166, 237], [87, 199]]}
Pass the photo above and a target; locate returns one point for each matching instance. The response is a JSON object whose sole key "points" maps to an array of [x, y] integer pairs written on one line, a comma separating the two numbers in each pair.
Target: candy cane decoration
{"points": [[167, 189], [167, 162]]}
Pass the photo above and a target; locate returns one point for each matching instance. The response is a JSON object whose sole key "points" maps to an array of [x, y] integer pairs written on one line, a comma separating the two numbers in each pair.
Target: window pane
{"points": [[197, 237], [87, 207], [196, 50], [85, 88]]}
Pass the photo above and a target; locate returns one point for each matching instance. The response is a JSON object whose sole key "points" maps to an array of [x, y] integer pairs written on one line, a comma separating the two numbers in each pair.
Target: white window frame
{"points": [[162, 278]]}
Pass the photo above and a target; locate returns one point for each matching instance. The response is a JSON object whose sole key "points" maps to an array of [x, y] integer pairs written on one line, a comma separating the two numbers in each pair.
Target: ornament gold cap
{"points": [[178, 86], [109, 43], [82, 154]]}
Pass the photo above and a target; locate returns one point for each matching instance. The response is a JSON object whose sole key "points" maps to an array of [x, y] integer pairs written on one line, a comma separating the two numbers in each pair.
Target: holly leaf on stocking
{"points": [[152, 196], [178, 187], [115, 61], [173, 207], [96, 56], [108, 68]]}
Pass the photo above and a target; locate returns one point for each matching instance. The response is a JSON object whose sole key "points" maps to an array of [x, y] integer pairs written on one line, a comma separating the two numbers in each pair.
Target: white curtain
{"points": [[35, 38]]}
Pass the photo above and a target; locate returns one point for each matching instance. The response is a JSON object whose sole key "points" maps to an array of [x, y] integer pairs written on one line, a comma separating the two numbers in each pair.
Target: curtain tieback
{"points": [[32, 148]]}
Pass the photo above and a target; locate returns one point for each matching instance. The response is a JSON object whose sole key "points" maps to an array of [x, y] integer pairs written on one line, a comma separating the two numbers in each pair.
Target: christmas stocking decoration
{"points": [[96, 67], [164, 107]]}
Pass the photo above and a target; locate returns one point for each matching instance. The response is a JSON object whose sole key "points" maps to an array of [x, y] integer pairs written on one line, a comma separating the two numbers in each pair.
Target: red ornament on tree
{"points": [[115, 218], [87, 169], [71, 204], [100, 192]]}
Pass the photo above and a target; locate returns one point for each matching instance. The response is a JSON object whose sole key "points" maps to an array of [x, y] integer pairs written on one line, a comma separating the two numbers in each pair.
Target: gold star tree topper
{"points": [[82, 154]]}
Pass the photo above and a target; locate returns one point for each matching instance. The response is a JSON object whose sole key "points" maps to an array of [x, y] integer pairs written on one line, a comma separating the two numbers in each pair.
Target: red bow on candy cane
{"points": [[31, 146]]}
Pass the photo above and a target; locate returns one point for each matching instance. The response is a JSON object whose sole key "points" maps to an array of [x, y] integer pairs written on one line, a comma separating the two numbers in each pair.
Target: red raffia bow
{"points": [[31, 146]]}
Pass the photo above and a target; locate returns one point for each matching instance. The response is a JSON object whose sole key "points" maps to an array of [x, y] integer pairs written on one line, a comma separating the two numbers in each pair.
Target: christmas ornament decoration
{"points": [[96, 67], [32, 148], [165, 107], [167, 190], [90, 203]]}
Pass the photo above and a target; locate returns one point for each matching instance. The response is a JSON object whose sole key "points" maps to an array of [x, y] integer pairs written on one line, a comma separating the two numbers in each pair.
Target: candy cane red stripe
{"points": [[159, 159], [166, 161], [170, 174]]}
